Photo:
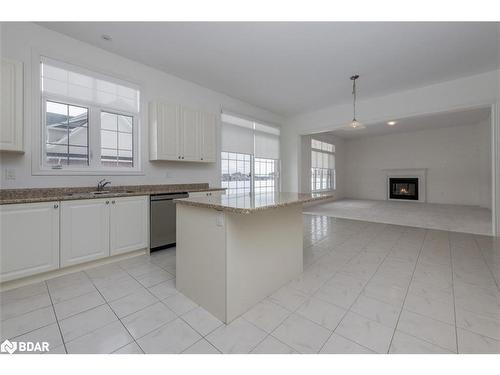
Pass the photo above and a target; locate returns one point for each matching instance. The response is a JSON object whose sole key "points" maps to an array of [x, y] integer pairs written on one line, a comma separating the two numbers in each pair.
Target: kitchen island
{"points": [[235, 250]]}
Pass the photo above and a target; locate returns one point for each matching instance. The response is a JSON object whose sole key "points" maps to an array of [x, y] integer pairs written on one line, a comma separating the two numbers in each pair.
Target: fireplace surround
{"points": [[409, 173]]}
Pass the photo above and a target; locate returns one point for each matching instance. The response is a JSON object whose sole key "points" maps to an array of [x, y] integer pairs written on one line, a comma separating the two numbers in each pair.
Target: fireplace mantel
{"points": [[420, 173]]}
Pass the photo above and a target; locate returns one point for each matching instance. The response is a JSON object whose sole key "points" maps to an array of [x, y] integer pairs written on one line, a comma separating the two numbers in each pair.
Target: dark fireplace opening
{"points": [[403, 188]]}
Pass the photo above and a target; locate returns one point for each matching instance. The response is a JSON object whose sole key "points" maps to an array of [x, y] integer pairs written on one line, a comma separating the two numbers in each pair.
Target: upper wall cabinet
{"points": [[11, 106], [182, 134]]}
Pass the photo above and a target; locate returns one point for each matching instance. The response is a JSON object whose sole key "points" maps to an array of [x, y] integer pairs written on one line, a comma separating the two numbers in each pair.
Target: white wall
{"points": [[458, 162], [20, 40]]}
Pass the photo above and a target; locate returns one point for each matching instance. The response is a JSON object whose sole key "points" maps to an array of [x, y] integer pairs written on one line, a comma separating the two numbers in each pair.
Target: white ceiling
{"points": [[290, 68], [410, 124]]}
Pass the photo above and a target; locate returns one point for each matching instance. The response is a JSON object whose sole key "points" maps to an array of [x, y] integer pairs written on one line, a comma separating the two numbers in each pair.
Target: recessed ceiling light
{"points": [[391, 123], [107, 37]]}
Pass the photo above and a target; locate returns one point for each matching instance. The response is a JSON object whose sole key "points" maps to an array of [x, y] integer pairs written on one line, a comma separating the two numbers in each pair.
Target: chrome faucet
{"points": [[102, 184]]}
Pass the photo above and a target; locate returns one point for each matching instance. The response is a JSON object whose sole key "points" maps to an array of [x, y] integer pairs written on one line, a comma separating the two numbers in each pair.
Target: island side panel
{"points": [[264, 252], [201, 258]]}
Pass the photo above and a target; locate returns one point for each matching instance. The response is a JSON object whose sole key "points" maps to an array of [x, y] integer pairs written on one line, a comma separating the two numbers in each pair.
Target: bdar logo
{"points": [[8, 347]]}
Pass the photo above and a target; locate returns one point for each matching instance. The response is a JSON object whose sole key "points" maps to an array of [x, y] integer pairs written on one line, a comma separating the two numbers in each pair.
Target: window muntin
{"points": [[99, 116], [322, 166]]}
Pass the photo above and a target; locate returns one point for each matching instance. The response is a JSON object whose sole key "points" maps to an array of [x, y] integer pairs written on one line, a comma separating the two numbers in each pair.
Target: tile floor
{"points": [[366, 288], [455, 218]]}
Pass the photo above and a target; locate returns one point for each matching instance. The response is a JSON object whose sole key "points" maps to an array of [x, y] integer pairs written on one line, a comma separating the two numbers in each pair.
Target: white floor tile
{"points": [[271, 345], [340, 345], [174, 337], [403, 343], [133, 302], [473, 343], [377, 311], [50, 334], [481, 324], [266, 315], [428, 329], [288, 298], [238, 337], [106, 339], [322, 313], [25, 323], [365, 332], [154, 277], [131, 348], [78, 304], [302, 334], [201, 320], [15, 307], [179, 303], [436, 309], [201, 347], [86, 322], [148, 319], [164, 289]]}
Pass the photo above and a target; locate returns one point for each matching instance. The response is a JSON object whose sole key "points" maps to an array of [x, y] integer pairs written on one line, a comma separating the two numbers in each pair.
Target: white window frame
{"points": [[39, 167], [333, 177]]}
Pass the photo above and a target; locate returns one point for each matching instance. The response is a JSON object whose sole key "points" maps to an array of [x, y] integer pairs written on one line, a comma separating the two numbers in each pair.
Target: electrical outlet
{"points": [[9, 174], [219, 221]]}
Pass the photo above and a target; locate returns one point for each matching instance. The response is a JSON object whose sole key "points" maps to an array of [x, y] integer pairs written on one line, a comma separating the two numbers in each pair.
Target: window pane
{"points": [[109, 139], [125, 124], [125, 158], [125, 141], [108, 121], [78, 155]]}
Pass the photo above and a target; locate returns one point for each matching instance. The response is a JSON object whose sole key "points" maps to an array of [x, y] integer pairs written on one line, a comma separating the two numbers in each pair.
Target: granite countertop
{"points": [[247, 203], [11, 196]]}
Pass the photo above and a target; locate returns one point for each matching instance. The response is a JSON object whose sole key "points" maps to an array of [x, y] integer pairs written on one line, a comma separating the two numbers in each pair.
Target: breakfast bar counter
{"points": [[235, 250]]}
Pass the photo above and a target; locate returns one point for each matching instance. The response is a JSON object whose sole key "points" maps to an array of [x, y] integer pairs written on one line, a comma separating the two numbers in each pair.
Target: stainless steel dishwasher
{"points": [[163, 221]]}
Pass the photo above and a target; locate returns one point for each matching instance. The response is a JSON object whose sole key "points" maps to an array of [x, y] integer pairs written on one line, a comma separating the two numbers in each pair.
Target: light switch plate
{"points": [[9, 174]]}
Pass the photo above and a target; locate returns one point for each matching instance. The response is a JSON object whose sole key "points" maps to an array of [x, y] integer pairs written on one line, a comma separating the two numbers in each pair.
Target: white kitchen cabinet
{"points": [[129, 224], [207, 129], [11, 106], [182, 134], [212, 193], [84, 230], [164, 142], [29, 239], [190, 135]]}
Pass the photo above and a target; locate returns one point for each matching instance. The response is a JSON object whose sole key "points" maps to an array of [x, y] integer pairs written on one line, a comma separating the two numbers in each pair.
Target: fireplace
{"points": [[403, 188]]}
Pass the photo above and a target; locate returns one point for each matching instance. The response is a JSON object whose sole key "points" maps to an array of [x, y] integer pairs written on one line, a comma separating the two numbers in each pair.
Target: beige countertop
{"points": [[247, 203], [12, 196]]}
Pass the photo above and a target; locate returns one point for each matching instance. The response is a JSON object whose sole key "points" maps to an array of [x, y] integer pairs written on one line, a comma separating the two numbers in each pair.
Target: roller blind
{"points": [[249, 137], [77, 84]]}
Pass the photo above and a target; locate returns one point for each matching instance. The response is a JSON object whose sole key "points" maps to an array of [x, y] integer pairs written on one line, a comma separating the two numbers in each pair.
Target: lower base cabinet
{"points": [[41, 237], [96, 228], [129, 224], [29, 241], [84, 231]]}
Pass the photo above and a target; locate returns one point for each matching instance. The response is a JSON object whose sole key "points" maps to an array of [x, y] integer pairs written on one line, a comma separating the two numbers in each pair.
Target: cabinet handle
{"points": [[56, 206], [183, 157], [178, 157], [113, 202], [201, 158], [107, 202]]}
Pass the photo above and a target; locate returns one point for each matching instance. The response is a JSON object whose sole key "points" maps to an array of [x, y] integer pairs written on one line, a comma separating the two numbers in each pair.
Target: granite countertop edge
{"points": [[222, 207], [34, 195]]}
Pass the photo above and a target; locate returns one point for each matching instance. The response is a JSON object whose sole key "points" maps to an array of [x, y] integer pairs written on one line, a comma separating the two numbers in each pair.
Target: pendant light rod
{"points": [[353, 79]]}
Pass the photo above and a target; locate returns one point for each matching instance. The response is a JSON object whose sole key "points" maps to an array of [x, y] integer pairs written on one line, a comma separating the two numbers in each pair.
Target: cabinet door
{"points": [[84, 231], [11, 105], [129, 229], [29, 239], [208, 123], [190, 132], [164, 131]]}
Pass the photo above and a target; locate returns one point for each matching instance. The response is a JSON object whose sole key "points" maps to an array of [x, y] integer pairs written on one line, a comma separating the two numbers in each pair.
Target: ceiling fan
{"points": [[354, 124]]}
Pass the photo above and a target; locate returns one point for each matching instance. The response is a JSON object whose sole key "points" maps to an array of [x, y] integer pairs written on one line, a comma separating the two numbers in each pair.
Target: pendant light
{"points": [[354, 124]]}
